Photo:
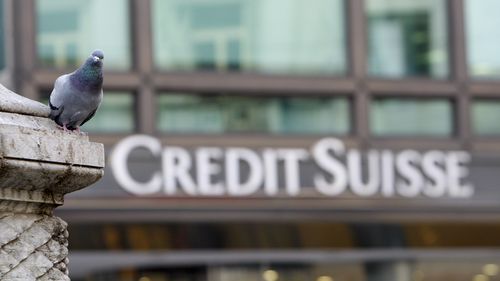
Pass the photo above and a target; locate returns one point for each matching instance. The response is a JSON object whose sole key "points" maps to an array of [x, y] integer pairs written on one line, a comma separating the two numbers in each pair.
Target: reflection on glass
{"points": [[465, 269], [69, 30], [301, 240], [407, 38], [337, 271], [242, 272], [485, 116], [279, 36], [482, 19], [130, 237], [232, 236], [115, 115], [411, 117], [452, 267], [191, 113]]}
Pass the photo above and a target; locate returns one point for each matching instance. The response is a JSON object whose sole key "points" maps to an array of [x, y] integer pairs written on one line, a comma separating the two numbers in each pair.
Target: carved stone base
{"points": [[33, 247]]}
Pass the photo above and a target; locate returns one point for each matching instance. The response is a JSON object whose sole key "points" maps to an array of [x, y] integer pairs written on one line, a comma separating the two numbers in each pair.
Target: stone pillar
{"points": [[39, 163]]}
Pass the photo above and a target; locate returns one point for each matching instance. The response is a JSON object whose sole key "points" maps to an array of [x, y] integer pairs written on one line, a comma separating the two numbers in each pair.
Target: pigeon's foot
{"points": [[80, 132], [76, 130], [62, 128], [66, 128]]}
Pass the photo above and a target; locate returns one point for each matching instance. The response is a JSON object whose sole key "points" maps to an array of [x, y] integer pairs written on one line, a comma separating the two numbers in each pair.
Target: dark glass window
{"points": [[301, 235], [407, 38], [486, 116], [115, 115], [69, 30], [482, 19], [285, 37], [194, 113], [300, 243], [412, 117]]}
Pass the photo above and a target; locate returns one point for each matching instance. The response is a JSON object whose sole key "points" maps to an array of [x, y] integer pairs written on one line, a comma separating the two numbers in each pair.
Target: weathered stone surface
{"points": [[34, 248], [36, 155], [12, 102], [39, 163], [45, 157], [56, 178], [49, 147]]}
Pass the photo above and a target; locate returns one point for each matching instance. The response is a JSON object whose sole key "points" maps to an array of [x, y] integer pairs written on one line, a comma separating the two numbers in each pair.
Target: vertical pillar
{"points": [[39, 163]]}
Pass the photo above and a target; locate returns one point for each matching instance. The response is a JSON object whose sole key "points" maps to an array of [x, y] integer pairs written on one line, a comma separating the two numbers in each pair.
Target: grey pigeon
{"points": [[77, 95]]}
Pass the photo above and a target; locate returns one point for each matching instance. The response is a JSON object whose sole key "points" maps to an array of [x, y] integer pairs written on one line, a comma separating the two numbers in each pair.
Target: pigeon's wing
{"points": [[89, 117], [96, 102], [56, 100]]}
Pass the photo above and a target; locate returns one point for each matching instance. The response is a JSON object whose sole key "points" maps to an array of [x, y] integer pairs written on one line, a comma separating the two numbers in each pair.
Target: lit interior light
{"points": [[481, 277], [324, 278], [270, 275], [490, 269], [144, 278]]}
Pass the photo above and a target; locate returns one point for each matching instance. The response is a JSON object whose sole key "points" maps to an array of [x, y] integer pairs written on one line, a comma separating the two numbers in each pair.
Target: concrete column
{"points": [[39, 163]]}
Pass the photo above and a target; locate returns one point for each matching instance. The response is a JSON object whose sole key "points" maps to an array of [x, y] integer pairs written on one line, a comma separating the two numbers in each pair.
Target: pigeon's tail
{"points": [[55, 113]]}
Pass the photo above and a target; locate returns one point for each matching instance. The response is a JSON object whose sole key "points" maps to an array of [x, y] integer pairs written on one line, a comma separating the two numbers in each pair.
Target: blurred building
{"points": [[324, 140]]}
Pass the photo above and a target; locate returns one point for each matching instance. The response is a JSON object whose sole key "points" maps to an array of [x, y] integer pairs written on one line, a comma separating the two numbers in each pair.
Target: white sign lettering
{"points": [[237, 171]]}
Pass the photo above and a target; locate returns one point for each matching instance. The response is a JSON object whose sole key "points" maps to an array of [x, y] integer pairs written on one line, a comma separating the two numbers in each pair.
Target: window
{"points": [[485, 116], [412, 117], [115, 115], [482, 19], [69, 30], [407, 38], [279, 36], [192, 113]]}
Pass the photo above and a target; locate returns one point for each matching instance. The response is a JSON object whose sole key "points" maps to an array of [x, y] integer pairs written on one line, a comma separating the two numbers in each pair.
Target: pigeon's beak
{"points": [[96, 59]]}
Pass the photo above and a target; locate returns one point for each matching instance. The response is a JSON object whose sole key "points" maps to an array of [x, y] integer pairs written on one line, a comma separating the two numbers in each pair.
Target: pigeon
{"points": [[77, 95]]}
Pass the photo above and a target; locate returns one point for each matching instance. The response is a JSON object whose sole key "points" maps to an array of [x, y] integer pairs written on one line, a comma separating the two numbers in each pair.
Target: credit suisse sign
{"points": [[240, 171]]}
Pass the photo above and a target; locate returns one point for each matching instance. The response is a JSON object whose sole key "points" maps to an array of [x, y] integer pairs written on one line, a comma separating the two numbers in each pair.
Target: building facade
{"points": [[278, 140]]}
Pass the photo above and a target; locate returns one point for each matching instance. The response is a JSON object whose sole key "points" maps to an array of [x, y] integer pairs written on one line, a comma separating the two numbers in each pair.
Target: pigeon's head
{"points": [[95, 59], [98, 53], [89, 75]]}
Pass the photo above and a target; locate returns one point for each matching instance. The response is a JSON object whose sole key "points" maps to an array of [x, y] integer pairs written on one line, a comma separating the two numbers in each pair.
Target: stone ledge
{"points": [[36, 138], [46, 148], [14, 103], [38, 159], [41, 176]]}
